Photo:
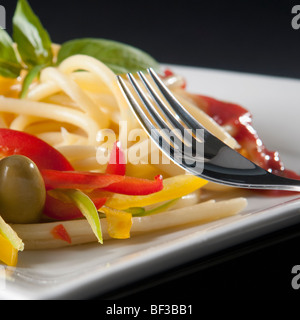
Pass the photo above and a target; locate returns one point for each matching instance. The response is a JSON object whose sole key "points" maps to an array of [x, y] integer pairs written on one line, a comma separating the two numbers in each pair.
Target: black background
{"points": [[248, 36], [253, 36]]}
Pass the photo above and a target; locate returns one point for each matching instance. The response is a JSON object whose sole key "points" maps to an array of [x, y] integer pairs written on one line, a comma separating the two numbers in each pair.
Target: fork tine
{"points": [[136, 108], [183, 114], [167, 148], [162, 125], [149, 107], [217, 162], [184, 134], [170, 117]]}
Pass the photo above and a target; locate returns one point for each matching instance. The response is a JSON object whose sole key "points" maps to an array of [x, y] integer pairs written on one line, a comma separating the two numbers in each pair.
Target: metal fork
{"points": [[191, 146]]}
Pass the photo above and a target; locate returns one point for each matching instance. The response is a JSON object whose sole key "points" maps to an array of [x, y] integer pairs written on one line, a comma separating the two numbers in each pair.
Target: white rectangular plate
{"points": [[83, 271]]}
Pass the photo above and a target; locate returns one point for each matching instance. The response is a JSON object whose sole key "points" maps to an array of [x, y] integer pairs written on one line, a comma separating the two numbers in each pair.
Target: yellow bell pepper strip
{"points": [[7, 232], [10, 244], [84, 204], [10, 87], [118, 223], [8, 254], [173, 188]]}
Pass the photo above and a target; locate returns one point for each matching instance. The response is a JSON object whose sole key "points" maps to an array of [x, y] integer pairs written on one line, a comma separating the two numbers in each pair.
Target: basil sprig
{"points": [[33, 46], [10, 65], [34, 43], [119, 57], [33, 52]]}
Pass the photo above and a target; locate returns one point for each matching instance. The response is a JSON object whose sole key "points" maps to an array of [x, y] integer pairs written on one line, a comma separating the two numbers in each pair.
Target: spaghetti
{"points": [[70, 110], [63, 116]]}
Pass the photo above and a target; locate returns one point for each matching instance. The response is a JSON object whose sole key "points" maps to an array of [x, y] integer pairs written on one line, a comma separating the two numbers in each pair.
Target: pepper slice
{"points": [[84, 204], [8, 254], [136, 186], [59, 232], [56, 209], [118, 223], [173, 188], [78, 180], [117, 161], [108, 182], [59, 210], [41, 153], [10, 244]]}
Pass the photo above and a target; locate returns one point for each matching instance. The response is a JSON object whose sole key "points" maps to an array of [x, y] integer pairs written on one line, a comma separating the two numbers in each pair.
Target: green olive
{"points": [[22, 190]]}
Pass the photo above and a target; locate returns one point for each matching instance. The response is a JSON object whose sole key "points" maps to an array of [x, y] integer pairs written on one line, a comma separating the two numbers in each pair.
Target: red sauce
{"points": [[239, 121]]}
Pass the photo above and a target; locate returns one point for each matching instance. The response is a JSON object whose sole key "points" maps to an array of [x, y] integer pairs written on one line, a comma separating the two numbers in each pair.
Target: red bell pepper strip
{"points": [[59, 173], [78, 180], [60, 232], [117, 161], [136, 187], [41, 153], [58, 210], [108, 182]]}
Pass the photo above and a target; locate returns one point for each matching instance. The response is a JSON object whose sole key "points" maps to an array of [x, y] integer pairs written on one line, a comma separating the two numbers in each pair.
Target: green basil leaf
{"points": [[9, 64], [31, 75], [34, 43], [119, 57]]}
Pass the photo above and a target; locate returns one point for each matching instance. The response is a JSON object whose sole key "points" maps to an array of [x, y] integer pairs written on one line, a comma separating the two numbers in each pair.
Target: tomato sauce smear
{"points": [[238, 121]]}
